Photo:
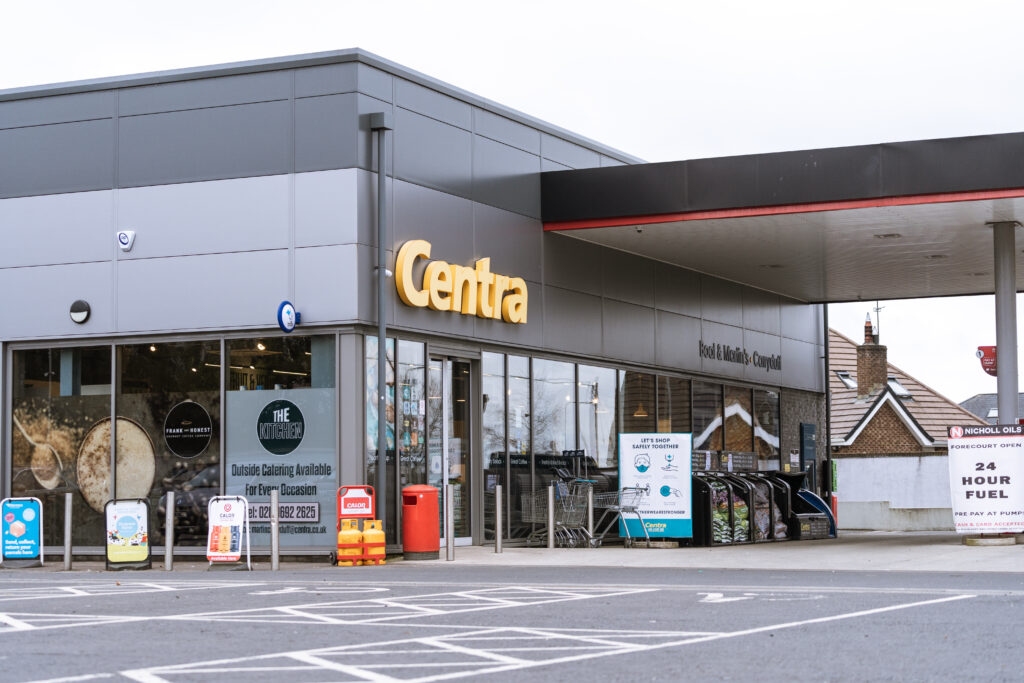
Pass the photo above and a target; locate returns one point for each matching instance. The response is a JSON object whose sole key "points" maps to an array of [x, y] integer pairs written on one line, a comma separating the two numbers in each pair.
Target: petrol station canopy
{"points": [[885, 221]]}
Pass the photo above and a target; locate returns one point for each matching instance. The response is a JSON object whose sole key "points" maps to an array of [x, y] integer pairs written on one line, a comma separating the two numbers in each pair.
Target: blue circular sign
{"points": [[127, 526], [286, 316]]}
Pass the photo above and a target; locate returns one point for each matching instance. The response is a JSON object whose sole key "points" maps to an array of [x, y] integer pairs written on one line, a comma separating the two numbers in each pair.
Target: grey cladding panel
{"points": [[325, 133], [721, 301], [572, 321], [433, 104], [66, 157], [45, 295], [434, 154], [505, 130], [572, 263], [569, 154], [676, 290], [326, 209], [326, 279], [205, 144], [801, 321], [802, 365], [241, 214], [530, 334], [548, 165], [761, 311], [677, 341], [506, 177], [194, 292], [206, 92], [628, 277], [512, 242], [78, 227], [441, 219], [628, 332], [329, 79], [608, 161], [40, 111]]}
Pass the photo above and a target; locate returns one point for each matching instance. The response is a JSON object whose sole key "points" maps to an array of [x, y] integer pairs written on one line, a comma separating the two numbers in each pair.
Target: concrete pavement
{"points": [[852, 551]]}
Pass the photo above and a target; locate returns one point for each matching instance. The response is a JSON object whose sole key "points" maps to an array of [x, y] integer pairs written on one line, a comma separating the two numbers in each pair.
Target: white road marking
{"points": [[15, 624], [720, 597], [71, 679], [598, 643]]}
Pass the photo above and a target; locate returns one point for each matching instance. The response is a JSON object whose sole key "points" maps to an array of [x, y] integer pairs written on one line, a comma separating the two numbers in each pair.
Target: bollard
{"points": [[449, 522], [67, 532], [169, 533], [590, 512], [551, 515], [275, 538], [498, 529]]}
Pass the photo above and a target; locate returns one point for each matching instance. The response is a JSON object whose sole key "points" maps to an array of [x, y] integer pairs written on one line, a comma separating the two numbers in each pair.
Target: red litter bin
{"points": [[421, 529]]}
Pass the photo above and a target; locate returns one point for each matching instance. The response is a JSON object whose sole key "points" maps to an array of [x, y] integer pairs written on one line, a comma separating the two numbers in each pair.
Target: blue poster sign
{"points": [[21, 524]]}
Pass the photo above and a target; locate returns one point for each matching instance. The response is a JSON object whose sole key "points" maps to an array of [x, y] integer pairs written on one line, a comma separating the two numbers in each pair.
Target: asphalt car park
{"points": [[438, 623]]}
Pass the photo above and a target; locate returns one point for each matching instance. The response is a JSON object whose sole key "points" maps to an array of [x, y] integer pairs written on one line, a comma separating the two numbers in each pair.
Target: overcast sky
{"points": [[660, 80]]}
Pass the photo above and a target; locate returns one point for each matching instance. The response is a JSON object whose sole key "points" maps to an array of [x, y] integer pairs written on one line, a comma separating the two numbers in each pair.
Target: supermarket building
{"points": [[543, 294]]}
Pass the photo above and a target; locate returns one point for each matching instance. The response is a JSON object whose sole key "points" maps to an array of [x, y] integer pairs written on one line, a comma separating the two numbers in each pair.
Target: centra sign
{"points": [[460, 289]]}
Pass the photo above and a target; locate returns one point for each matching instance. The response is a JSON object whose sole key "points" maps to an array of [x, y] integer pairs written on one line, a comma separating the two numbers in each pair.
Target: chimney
{"points": [[872, 363]]}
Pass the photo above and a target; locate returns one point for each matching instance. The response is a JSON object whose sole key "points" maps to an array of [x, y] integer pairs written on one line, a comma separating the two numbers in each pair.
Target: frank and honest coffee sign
{"points": [[740, 356], [187, 429]]}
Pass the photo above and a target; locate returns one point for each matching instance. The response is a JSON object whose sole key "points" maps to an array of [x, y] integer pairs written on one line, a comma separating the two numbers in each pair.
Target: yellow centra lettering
{"points": [[439, 284], [513, 308], [463, 290], [500, 285], [485, 289], [407, 256], [460, 289]]}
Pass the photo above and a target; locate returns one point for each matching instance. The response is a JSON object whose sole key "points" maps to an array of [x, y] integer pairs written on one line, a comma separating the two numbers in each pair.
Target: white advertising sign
{"points": [[228, 524], [660, 464], [986, 478]]}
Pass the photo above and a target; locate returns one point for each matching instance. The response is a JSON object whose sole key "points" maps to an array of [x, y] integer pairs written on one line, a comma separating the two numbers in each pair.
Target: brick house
{"points": [[888, 440]]}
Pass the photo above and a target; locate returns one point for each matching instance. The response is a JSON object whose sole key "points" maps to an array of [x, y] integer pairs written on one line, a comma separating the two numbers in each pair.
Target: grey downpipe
{"points": [[381, 123], [498, 526]]}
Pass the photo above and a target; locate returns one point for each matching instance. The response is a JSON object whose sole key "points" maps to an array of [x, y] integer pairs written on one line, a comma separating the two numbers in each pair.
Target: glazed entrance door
{"points": [[449, 414]]}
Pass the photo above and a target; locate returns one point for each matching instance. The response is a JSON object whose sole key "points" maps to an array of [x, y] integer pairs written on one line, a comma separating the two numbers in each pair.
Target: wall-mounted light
{"points": [[261, 346], [80, 311]]}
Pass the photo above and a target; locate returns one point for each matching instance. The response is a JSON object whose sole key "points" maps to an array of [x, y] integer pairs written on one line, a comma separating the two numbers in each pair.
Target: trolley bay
{"points": [[438, 621]]}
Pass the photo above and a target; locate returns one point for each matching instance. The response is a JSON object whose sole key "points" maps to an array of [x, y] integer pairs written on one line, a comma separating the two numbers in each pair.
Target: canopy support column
{"points": [[1004, 247]]}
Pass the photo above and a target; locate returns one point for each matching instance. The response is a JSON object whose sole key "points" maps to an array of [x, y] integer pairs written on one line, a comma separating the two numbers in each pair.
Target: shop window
{"points": [[412, 413], [60, 406], [598, 432], [766, 428], [168, 433], [673, 405], [281, 418], [372, 422], [708, 419], [554, 416], [739, 420], [637, 403], [519, 442], [493, 423]]}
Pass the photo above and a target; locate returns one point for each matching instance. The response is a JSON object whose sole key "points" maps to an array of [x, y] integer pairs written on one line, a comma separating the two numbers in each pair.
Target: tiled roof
{"points": [[930, 409], [982, 404]]}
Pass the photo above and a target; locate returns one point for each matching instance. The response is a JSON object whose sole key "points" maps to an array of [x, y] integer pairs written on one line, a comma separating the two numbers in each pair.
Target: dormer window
{"points": [[845, 378], [898, 388]]}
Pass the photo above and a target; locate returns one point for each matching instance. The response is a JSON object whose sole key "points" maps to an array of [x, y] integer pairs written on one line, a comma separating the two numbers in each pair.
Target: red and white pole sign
{"points": [[986, 478], [987, 356]]}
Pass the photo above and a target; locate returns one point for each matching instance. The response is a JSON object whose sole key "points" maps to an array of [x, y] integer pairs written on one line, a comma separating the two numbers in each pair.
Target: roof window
{"points": [[898, 388], [845, 378]]}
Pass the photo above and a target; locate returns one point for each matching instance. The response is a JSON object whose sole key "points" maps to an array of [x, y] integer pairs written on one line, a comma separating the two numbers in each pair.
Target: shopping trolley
{"points": [[615, 503], [570, 515]]}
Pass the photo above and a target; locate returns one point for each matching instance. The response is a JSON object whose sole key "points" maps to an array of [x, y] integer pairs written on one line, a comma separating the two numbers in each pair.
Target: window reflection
{"points": [[766, 428], [59, 396], [673, 405], [637, 403], [707, 416], [739, 420]]}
